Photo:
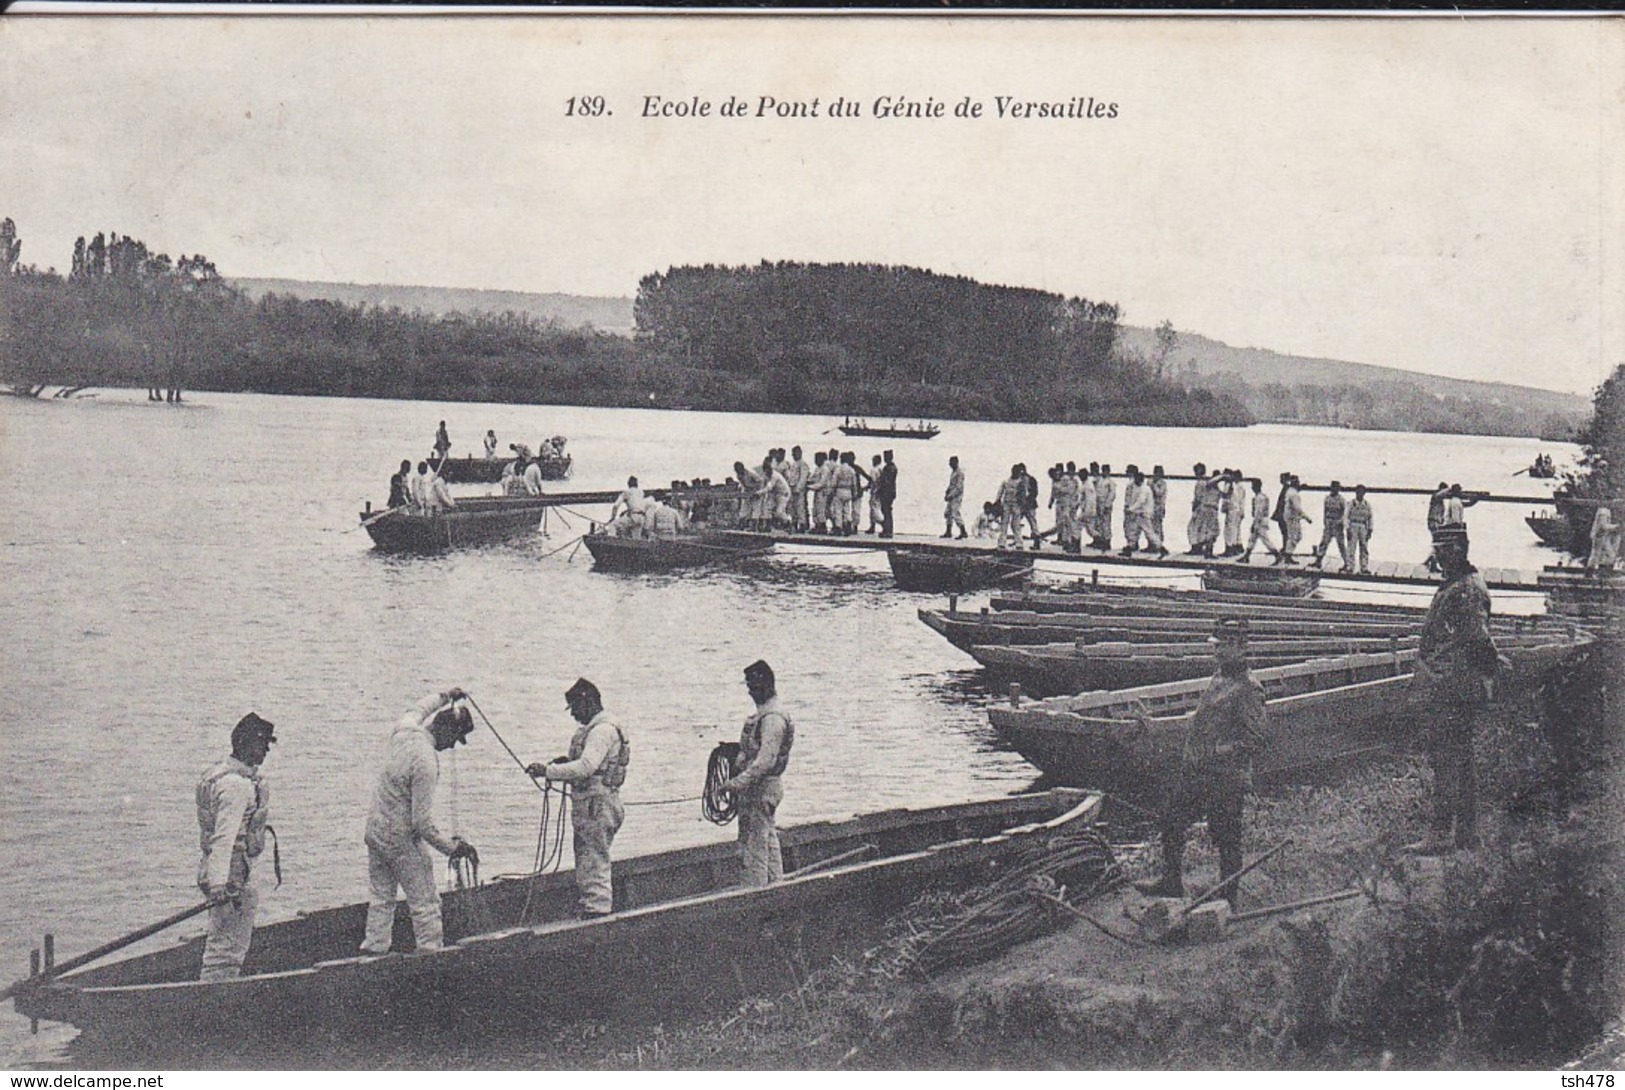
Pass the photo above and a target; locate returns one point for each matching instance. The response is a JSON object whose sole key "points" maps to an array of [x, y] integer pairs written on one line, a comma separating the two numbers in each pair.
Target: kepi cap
{"points": [[759, 671], [252, 726], [583, 689]]}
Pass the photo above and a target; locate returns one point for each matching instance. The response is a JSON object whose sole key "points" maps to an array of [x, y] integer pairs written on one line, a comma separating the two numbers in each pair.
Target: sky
{"points": [[1437, 194]]}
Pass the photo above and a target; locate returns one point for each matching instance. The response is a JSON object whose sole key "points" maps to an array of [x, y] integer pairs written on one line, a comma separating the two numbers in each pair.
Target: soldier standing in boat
{"points": [[1455, 667], [442, 441], [595, 770], [1216, 765], [233, 806], [764, 753], [400, 485], [798, 474], [400, 822]]}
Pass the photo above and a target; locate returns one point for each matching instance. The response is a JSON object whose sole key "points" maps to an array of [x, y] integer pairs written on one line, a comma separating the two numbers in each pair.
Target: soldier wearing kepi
{"points": [[595, 770], [400, 822], [764, 753], [1455, 666], [233, 806], [1216, 765]]}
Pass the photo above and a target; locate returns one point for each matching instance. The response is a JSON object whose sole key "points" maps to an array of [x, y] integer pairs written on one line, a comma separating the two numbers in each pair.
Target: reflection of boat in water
{"points": [[555, 467], [1320, 711], [507, 939], [861, 429], [658, 554], [947, 573], [476, 520]]}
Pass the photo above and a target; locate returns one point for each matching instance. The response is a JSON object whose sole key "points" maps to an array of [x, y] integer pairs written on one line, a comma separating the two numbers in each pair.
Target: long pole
{"points": [[104, 949], [1236, 877]]}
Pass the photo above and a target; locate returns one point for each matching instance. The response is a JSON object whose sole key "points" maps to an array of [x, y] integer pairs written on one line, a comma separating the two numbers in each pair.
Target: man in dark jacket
{"points": [[1216, 765], [886, 493]]}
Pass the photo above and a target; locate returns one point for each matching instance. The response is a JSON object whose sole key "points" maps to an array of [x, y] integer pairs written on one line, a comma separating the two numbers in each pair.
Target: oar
{"points": [[372, 519], [105, 949]]}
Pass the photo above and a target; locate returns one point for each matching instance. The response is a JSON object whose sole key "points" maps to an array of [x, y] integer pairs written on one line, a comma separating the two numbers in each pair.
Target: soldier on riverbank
{"points": [[1216, 765], [1456, 664]]}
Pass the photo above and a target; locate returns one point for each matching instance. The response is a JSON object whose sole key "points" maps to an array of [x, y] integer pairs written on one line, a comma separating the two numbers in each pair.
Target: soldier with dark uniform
{"points": [[1456, 664], [595, 770], [1216, 765]]}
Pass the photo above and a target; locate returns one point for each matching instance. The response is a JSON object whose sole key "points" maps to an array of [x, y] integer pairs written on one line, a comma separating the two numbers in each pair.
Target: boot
{"points": [[1166, 886], [1172, 883]]}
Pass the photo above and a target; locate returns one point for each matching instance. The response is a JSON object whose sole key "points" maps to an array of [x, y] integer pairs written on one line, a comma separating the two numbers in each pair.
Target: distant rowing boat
{"points": [[477, 520], [910, 431], [1553, 530], [685, 936]]}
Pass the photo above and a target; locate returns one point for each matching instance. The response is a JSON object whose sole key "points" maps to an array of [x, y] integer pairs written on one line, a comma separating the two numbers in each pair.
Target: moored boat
{"points": [[687, 550], [950, 573], [1320, 711], [1062, 668], [476, 520], [1274, 582], [966, 630], [1553, 530], [472, 470], [683, 933]]}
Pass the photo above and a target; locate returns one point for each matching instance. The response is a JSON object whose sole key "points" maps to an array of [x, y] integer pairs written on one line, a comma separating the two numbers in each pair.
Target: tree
{"points": [[10, 247], [1167, 342]]}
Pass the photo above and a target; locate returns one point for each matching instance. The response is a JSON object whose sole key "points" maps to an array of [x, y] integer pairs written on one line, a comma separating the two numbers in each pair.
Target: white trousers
{"points": [[761, 860], [231, 928], [412, 871], [595, 819]]}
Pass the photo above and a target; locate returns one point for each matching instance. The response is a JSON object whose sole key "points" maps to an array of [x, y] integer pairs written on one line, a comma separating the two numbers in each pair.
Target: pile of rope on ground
{"points": [[942, 931]]}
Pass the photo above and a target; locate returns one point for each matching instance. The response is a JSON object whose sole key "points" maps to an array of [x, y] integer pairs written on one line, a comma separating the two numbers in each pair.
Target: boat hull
{"points": [[646, 555], [929, 432], [481, 521], [489, 471], [1553, 530], [1320, 712], [946, 573], [684, 934], [1275, 584]]}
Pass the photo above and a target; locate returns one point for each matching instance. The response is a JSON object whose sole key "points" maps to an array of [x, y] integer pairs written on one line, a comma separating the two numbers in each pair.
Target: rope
{"points": [[546, 854], [664, 802], [492, 728], [718, 806], [561, 548]]}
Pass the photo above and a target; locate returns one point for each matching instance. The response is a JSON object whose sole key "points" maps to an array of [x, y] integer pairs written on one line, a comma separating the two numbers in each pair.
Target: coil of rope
{"points": [[718, 806]]}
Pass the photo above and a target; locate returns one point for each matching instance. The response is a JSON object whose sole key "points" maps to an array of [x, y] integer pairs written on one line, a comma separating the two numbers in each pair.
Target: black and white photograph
{"points": [[669, 542]]}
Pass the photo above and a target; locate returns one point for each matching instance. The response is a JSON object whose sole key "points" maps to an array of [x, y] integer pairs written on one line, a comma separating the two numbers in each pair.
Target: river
{"points": [[167, 569]]}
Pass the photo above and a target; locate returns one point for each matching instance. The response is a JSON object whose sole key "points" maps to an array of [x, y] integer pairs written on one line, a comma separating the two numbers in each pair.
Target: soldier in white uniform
{"points": [[595, 770], [764, 753], [400, 823], [233, 807]]}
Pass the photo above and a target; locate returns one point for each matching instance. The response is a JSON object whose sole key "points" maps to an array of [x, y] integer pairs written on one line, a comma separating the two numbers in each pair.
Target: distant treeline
{"points": [[882, 341], [1388, 406], [865, 340]]}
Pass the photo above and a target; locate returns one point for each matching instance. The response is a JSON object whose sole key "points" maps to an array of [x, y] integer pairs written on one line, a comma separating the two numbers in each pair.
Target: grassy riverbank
{"points": [[1509, 957]]}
